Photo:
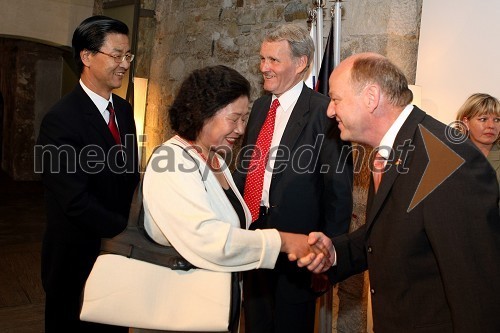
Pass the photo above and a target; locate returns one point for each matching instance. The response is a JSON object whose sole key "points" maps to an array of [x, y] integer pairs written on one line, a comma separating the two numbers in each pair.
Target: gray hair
{"points": [[301, 43]]}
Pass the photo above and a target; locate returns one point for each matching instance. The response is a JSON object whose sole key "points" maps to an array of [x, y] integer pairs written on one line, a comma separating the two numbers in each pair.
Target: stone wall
{"points": [[389, 27], [192, 34]]}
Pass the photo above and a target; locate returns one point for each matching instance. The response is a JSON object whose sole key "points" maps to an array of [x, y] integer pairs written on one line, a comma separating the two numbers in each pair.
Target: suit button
{"points": [[370, 249], [372, 291]]}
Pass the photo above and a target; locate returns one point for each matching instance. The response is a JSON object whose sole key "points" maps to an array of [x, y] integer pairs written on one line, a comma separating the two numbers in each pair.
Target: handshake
{"points": [[316, 251]]}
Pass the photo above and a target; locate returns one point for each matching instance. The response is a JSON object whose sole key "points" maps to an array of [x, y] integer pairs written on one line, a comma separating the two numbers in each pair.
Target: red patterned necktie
{"points": [[260, 156], [378, 170], [112, 124]]}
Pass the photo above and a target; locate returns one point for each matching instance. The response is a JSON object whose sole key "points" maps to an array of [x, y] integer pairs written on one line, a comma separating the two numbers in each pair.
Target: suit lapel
{"points": [[298, 119], [395, 163], [120, 119], [126, 126], [260, 115], [94, 117]]}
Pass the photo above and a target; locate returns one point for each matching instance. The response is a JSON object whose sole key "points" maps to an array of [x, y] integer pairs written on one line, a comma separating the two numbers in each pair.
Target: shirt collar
{"points": [[100, 102], [290, 97], [388, 140]]}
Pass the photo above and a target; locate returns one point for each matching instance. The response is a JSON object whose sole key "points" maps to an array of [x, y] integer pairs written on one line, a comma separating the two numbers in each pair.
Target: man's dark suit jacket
{"points": [[311, 186], [433, 268], [87, 192]]}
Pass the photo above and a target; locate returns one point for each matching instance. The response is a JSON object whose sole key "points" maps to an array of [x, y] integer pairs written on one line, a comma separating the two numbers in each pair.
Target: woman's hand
{"points": [[317, 264], [314, 251]]}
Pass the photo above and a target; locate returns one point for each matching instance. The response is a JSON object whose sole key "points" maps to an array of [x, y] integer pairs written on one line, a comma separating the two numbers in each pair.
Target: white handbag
{"points": [[128, 292], [138, 283]]}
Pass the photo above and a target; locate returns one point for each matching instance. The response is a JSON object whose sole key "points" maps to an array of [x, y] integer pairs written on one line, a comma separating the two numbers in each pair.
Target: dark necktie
{"points": [[112, 124], [260, 156]]}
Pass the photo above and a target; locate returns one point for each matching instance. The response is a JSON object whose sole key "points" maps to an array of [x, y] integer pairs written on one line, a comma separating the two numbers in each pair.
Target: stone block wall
{"points": [[193, 34], [185, 35]]}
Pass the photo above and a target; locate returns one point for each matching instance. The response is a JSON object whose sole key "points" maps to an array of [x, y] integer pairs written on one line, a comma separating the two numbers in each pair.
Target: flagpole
{"points": [[313, 71], [337, 17], [319, 5]]}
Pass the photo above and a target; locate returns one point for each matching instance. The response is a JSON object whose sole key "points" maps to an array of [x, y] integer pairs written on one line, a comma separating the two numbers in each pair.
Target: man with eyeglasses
{"points": [[87, 146]]}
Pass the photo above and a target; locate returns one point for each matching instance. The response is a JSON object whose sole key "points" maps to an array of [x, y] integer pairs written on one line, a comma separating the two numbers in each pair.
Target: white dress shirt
{"points": [[287, 103], [389, 137], [100, 102]]}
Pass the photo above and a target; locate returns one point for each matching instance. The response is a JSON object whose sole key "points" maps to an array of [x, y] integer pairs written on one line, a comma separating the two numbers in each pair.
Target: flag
{"points": [[327, 65], [310, 81]]}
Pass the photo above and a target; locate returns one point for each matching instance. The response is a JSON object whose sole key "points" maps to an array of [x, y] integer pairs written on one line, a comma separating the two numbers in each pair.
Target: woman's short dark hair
{"points": [[92, 32], [204, 92]]}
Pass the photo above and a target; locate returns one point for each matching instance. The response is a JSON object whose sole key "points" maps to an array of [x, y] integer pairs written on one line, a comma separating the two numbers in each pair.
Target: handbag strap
{"points": [[136, 207], [195, 162], [135, 243]]}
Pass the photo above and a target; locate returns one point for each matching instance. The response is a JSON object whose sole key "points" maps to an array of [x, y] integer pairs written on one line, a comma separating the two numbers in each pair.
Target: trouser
{"points": [[65, 268], [267, 310]]}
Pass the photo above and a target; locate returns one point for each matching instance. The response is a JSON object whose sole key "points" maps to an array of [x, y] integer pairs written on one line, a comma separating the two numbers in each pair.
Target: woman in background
{"points": [[481, 115]]}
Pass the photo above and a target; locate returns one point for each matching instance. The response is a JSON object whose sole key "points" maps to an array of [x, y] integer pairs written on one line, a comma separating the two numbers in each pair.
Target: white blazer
{"points": [[186, 207]]}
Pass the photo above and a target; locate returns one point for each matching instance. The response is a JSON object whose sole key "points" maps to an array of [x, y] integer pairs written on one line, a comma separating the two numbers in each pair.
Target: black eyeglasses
{"points": [[119, 59]]}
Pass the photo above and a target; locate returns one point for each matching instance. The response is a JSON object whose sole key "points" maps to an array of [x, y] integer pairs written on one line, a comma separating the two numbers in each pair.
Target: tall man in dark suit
{"points": [[90, 170], [432, 235], [305, 185]]}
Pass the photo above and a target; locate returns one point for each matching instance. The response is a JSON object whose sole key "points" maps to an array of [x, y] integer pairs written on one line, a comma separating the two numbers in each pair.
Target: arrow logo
{"points": [[443, 162]]}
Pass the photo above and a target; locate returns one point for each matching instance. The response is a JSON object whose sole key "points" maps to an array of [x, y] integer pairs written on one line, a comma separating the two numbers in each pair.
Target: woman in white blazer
{"points": [[190, 199]]}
